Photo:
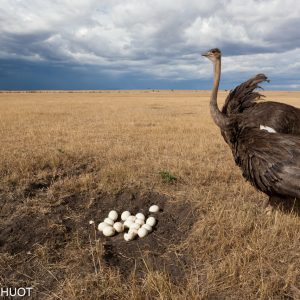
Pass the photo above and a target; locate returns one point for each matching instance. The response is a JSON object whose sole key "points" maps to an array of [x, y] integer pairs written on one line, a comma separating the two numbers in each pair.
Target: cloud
{"points": [[157, 39]]}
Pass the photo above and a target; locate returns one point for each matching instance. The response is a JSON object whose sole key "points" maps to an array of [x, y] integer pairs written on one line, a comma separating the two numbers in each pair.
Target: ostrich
{"points": [[270, 161]]}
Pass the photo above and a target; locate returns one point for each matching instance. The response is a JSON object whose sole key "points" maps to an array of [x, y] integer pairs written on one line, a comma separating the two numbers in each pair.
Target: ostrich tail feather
{"points": [[244, 95]]}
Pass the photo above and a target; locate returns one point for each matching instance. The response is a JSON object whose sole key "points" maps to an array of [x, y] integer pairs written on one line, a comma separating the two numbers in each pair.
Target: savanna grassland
{"points": [[67, 158]]}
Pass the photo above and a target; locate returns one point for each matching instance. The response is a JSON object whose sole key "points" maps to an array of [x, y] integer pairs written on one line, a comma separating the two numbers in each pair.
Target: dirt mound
{"points": [[157, 250], [25, 229]]}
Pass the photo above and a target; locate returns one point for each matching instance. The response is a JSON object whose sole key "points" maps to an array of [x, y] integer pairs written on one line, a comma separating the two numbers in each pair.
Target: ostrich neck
{"points": [[217, 116]]}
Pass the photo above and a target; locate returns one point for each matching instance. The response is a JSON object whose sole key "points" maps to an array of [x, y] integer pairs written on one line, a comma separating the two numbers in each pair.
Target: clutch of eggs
{"points": [[137, 225]]}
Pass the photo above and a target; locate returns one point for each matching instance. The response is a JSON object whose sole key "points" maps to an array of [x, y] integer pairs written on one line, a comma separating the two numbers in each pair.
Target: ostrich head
{"points": [[213, 54]]}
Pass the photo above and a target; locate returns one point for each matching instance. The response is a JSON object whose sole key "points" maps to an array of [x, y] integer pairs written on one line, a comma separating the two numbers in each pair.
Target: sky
{"points": [[147, 44]]}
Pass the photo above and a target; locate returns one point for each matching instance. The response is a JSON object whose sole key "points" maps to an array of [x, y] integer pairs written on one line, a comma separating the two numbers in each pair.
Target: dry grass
{"points": [[59, 145]]}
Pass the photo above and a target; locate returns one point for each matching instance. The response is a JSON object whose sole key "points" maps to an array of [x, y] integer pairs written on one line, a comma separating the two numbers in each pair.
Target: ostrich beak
{"points": [[205, 54]]}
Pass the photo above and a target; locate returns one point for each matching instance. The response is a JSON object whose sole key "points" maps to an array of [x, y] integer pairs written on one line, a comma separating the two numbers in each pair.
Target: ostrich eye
{"points": [[213, 51]]}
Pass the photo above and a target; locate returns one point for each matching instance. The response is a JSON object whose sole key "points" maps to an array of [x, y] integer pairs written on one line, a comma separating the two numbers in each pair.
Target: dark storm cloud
{"points": [[155, 40]]}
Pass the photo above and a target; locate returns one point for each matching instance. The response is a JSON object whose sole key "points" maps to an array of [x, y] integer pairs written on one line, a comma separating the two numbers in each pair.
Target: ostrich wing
{"points": [[271, 161], [243, 96], [281, 117]]}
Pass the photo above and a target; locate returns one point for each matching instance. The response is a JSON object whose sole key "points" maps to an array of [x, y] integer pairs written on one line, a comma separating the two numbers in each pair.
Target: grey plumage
{"points": [[269, 161]]}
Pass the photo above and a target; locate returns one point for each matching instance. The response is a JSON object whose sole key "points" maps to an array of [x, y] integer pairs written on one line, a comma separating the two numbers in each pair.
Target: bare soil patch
{"points": [[157, 251], [25, 230]]}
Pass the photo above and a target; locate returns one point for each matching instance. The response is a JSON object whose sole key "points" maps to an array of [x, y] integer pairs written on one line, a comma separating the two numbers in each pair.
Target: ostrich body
{"points": [[283, 118], [269, 160]]}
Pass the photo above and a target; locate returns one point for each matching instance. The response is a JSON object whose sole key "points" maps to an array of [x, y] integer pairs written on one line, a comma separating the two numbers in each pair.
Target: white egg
{"points": [[113, 215], [154, 209], [108, 231], [127, 237], [130, 235], [128, 223], [131, 218], [140, 216], [125, 214], [102, 225], [134, 226], [133, 232], [151, 221], [142, 232], [119, 227], [91, 222], [147, 227], [140, 222], [109, 221]]}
